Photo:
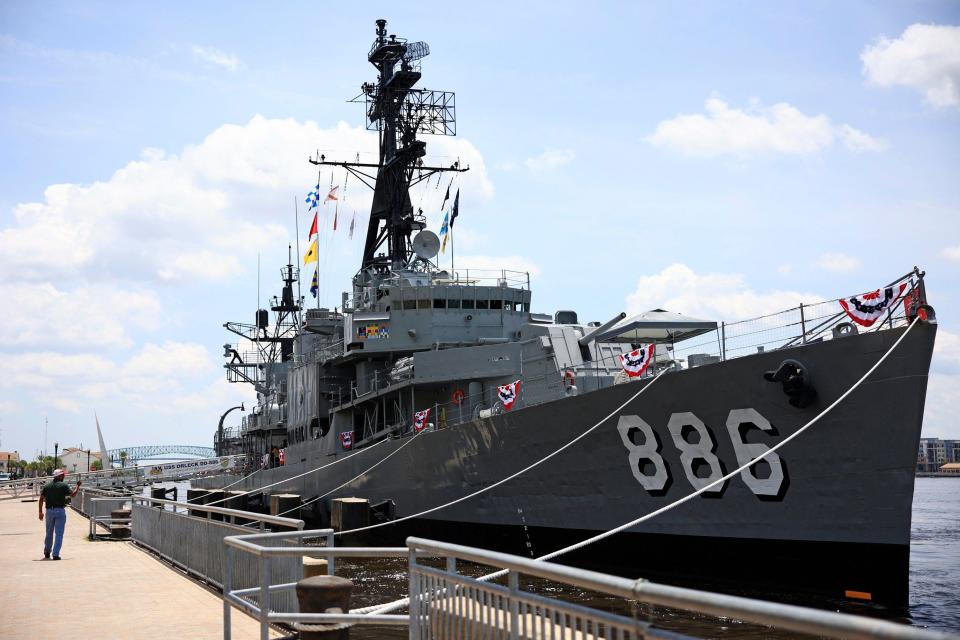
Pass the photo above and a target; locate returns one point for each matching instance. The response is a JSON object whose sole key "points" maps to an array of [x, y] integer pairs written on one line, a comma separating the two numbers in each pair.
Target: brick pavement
{"points": [[99, 589]]}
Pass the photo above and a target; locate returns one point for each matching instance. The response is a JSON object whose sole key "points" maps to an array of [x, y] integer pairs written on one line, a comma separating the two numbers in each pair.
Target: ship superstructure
{"points": [[459, 360]]}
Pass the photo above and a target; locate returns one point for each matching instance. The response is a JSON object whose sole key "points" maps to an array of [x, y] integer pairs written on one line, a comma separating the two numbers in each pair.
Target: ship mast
{"points": [[398, 112]]}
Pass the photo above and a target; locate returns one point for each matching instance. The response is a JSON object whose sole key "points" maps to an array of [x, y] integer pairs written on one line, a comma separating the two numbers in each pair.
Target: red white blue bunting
{"points": [[636, 362], [508, 394], [346, 439], [420, 419], [866, 309]]}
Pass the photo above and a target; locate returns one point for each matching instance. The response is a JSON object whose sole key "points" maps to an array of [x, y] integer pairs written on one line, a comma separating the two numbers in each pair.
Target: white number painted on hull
{"points": [[691, 452], [701, 450], [629, 426]]}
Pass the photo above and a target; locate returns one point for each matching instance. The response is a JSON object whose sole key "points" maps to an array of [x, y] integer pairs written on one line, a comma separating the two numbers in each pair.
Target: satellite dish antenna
{"points": [[426, 244]]}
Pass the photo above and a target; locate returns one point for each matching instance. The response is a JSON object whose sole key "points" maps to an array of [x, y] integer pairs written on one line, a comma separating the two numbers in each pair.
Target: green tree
{"points": [[97, 465], [123, 459]]}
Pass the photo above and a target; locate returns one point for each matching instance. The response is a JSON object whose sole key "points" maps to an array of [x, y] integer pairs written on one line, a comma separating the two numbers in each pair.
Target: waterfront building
{"points": [[936, 452], [74, 459], [7, 458]]}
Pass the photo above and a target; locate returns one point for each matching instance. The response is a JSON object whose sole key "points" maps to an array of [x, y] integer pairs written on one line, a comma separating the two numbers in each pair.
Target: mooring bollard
{"points": [[237, 500], [215, 496], [197, 496], [324, 594], [286, 505], [349, 513], [314, 567], [119, 531]]}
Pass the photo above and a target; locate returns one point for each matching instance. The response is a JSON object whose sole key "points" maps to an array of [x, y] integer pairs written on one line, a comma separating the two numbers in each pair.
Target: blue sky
{"points": [[729, 158]]}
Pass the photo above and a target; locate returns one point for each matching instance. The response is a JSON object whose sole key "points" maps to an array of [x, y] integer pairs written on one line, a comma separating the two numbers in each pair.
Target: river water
{"points": [[934, 584]]}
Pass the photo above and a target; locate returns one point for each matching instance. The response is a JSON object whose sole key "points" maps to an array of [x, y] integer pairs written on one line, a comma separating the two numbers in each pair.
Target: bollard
{"points": [[349, 513], [119, 531], [160, 494], [286, 505], [324, 594], [215, 495], [197, 496], [237, 500], [314, 567]]}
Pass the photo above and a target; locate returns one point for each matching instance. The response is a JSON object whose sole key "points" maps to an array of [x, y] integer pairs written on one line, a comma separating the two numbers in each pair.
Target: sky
{"points": [[721, 159]]}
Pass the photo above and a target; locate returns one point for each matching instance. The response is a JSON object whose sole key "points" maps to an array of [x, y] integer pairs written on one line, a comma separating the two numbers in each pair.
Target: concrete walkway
{"points": [[99, 589]]}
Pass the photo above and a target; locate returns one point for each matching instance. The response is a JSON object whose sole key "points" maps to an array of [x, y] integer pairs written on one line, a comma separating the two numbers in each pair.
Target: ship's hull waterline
{"points": [[833, 515]]}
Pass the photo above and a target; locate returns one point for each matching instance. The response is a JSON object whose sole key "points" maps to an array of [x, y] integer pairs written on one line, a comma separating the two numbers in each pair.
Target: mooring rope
{"points": [[514, 475], [360, 475], [393, 606], [305, 473]]}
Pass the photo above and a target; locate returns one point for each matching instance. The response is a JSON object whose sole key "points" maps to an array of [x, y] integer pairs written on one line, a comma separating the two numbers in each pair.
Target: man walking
{"points": [[55, 495]]}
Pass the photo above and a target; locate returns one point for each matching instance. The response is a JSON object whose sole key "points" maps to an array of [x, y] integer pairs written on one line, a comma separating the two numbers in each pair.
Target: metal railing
{"points": [[195, 543], [264, 600], [447, 603]]}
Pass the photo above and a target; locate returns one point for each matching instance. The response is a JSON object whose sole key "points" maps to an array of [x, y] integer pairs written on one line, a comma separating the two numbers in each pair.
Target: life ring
{"points": [[458, 396], [569, 379]]}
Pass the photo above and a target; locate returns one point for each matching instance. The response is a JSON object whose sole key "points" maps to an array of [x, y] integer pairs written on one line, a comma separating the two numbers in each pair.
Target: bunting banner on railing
{"points": [[636, 362], [867, 308], [420, 420], [346, 439], [508, 394]]}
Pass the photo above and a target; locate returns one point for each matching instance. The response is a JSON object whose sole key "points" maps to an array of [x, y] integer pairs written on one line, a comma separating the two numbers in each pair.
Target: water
{"points": [[934, 592]]}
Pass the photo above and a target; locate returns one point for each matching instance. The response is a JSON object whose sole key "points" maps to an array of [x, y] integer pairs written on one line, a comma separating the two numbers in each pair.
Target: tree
{"points": [[123, 459], [97, 465]]}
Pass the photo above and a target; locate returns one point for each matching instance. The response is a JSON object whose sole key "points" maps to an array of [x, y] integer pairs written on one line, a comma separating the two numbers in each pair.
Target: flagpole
{"points": [[296, 226]]}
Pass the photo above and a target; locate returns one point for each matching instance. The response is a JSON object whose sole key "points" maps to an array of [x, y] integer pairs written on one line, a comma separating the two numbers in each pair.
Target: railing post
{"points": [[227, 587], [331, 541], [414, 591], [264, 597], [723, 338], [803, 325], [513, 581]]}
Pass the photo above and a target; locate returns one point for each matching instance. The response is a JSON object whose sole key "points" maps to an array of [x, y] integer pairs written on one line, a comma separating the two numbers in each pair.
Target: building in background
{"points": [[934, 453], [7, 460], [74, 459]]}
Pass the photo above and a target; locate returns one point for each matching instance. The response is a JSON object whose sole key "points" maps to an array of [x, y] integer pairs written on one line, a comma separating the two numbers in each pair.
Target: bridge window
{"points": [[409, 305], [496, 304], [483, 304], [439, 303], [467, 304], [453, 304]]}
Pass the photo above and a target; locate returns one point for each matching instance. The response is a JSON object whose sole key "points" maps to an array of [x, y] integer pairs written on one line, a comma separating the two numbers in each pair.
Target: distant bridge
{"points": [[161, 452]]}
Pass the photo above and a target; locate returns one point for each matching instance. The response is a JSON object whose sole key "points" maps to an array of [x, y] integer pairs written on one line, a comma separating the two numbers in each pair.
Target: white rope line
{"points": [[360, 475], [512, 476], [200, 497], [393, 606], [305, 473]]}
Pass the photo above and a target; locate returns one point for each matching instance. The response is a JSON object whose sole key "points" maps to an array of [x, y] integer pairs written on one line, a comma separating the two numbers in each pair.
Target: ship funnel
{"points": [[587, 339]]}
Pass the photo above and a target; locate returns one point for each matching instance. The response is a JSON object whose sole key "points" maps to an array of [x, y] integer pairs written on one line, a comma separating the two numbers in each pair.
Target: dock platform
{"points": [[98, 589]]}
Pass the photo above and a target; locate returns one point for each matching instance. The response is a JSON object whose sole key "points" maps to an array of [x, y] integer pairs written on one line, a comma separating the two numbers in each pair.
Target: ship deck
{"points": [[104, 587]]}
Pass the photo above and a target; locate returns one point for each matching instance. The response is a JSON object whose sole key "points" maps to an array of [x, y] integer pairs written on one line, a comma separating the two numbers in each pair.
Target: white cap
{"points": [[59, 472]]}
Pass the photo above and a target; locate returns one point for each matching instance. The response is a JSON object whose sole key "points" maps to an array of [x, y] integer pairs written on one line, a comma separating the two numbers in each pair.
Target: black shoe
{"points": [[56, 557], [46, 556]]}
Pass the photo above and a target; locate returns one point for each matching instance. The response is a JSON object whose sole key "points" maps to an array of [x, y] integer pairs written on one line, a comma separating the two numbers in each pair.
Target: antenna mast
{"points": [[398, 112]]}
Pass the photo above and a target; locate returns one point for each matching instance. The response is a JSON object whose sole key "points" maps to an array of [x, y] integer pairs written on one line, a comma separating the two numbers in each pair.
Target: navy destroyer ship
{"points": [[457, 368]]}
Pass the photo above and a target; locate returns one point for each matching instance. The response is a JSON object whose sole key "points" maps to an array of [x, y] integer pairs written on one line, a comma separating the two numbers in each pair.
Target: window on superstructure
{"points": [[483, 304], [409, 305], [453, 304], [496, 304], [423, 304], [467, 304], [439, 303]]}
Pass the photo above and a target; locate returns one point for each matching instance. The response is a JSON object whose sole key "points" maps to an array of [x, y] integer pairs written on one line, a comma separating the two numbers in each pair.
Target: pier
{"points": [[99, 589]]}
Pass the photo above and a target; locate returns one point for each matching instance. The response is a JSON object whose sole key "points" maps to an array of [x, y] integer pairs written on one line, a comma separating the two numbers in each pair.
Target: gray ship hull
{"points": [[833, 515]]}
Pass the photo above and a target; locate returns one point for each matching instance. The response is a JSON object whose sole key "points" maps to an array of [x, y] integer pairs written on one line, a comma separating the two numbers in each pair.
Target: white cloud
{"points": [[198, 215], [951, 253], [211, 56], [943, 388], [170, 359], [550, 159], [712, 296], [780, 129], [837, 262], [89, 316], [925, 57]]}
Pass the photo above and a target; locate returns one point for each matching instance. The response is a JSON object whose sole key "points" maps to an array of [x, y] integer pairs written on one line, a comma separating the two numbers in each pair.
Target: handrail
{"points": [[237, 513], [785, 616]]}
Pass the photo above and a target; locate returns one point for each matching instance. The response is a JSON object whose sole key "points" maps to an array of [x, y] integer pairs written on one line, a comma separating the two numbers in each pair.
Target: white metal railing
{"points": [[445, 603]]}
